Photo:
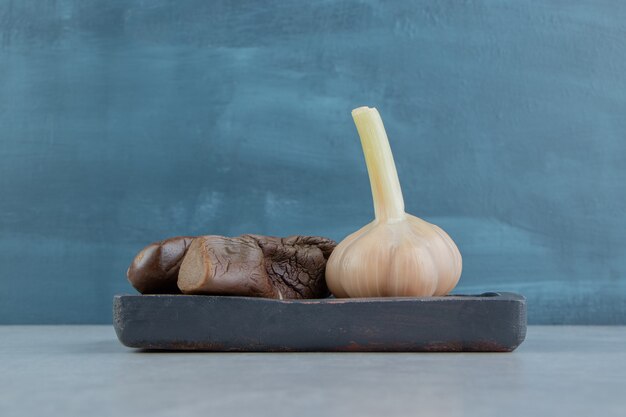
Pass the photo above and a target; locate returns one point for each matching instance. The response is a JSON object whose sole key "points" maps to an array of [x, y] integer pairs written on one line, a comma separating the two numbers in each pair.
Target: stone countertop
{"points": [[84, 371]]}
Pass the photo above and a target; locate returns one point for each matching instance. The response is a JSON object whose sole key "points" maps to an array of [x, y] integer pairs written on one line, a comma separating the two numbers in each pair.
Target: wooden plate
{"points": [[490, 322]]}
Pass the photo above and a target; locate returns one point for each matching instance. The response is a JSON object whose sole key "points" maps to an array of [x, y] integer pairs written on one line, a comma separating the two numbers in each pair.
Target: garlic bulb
{"points": [[396, 255]]}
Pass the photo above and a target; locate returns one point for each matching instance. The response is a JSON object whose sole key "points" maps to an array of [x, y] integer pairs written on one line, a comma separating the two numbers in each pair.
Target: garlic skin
{"points": [[396, 255]]}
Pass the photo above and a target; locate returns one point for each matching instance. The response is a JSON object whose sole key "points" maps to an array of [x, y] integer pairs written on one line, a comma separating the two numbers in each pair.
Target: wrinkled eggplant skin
{"points": [[290, 268], [296, 265], [155, 269]]}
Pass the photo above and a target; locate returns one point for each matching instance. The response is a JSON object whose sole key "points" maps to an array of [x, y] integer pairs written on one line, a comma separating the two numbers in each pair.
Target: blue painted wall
{"points": [[124, 122]]}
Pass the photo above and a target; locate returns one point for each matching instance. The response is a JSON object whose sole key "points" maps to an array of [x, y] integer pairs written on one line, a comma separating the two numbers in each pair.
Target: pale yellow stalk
{"points": [[386, 191]]}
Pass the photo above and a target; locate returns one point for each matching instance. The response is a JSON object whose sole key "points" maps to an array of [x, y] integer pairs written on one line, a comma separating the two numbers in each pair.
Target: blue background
{"points": [[125, 122]]}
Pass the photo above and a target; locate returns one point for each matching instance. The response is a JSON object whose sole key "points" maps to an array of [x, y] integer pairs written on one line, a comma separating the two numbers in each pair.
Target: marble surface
{"points": [[124, 122], [85, 371]]}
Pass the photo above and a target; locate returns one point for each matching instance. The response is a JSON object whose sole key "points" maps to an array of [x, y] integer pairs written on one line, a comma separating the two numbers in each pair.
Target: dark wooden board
{"points": [[490, 322]]}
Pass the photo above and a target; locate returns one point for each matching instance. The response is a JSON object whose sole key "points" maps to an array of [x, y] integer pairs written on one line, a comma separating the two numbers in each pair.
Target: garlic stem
{"points": [[386, 191]]}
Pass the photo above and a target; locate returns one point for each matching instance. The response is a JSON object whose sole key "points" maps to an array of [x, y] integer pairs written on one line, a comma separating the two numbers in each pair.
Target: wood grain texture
{"points": [[491, 323], [125, 122]]}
